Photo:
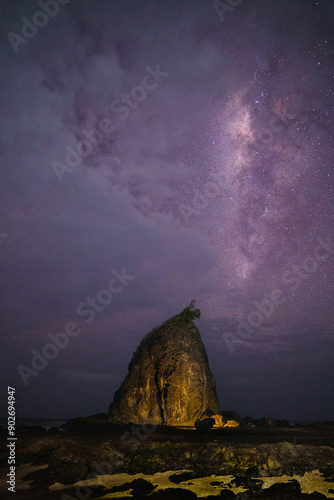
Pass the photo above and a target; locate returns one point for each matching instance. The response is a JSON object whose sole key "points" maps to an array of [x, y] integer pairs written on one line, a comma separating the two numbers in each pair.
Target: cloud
{"points": [[121, 206]]}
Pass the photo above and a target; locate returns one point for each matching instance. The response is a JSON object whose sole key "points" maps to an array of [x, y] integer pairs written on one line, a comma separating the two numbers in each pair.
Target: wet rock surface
{"points": [[248, 454]]}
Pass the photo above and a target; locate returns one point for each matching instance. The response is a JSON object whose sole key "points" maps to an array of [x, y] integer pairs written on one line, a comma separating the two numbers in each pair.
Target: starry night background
{"points": [[215, 184]]}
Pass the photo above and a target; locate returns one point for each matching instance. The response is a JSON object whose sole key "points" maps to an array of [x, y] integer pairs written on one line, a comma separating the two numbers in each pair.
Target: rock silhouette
{"points": [[169, 380]]}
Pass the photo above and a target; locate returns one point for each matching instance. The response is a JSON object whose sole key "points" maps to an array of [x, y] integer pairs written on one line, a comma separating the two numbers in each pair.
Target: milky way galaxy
{"points": [[192, 148]]}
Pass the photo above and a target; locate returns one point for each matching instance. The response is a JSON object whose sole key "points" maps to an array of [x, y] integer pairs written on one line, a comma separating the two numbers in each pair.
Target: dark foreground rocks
{"points": [[91, 450], [282, 491]]}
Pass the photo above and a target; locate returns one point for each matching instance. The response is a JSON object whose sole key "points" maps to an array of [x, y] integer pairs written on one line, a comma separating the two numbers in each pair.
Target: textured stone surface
{"points": [[231, 423], [248, 460], [169, 380], [209, 421]]}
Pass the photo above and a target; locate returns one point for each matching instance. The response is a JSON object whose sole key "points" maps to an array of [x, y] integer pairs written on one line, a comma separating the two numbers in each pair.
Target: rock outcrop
{"points": [[169, 380]]}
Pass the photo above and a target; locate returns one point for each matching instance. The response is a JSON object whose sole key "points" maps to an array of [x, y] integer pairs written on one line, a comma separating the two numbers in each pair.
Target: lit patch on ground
{"points": [[20, 472], [201, 486], [310, 482]]}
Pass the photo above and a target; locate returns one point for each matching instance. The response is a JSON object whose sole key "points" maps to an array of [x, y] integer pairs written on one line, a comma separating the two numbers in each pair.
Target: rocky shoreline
{"points": [[107, 460]]}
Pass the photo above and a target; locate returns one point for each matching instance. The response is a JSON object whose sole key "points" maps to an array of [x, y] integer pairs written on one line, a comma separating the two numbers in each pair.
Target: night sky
{"points": [[155, 152]]}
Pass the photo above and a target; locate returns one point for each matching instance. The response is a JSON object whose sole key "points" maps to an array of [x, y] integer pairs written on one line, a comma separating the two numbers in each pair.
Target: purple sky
{"points": [[211, 180]]}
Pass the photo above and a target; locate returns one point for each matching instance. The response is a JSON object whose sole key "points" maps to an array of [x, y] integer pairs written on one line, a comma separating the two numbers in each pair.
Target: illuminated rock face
{"points": [[169, 380]]}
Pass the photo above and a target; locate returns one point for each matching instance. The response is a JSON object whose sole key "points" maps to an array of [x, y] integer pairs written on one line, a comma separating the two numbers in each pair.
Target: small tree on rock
{"points": [[188, 314]]}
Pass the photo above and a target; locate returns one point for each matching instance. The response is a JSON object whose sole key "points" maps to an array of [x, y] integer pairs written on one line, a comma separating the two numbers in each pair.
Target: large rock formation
{"points": [[169, 380]]}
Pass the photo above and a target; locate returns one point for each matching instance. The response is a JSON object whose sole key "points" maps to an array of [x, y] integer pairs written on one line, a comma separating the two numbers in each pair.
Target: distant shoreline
{"points": [[47, 423]]}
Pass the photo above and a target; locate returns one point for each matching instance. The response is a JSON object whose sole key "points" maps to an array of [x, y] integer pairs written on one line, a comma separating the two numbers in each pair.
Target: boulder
{"points": [[249, 421], [282, 423], [283, 491], [173, 494], [219, 421], [231, 415], [226, 495], [205, 423], [169, 381], [209, 420], [140, 487], [231, 423]]}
